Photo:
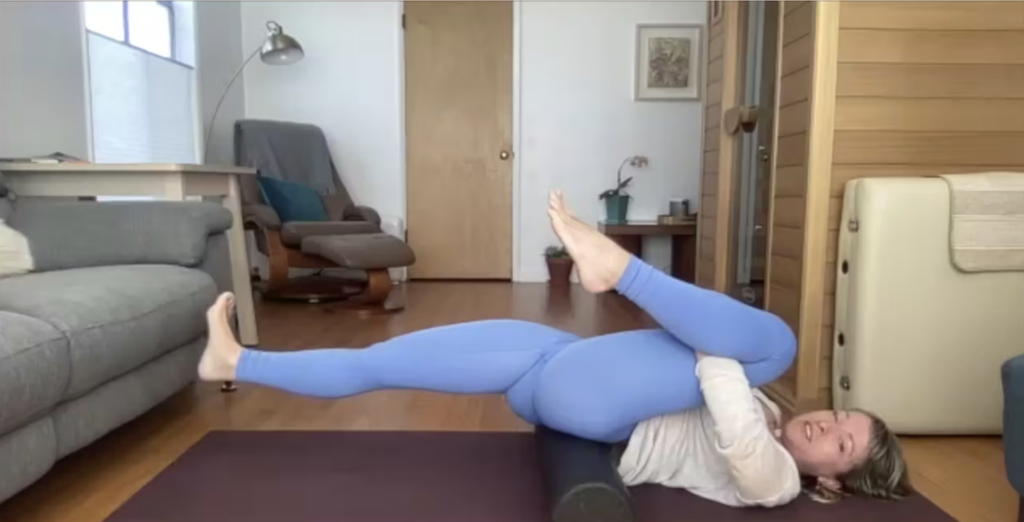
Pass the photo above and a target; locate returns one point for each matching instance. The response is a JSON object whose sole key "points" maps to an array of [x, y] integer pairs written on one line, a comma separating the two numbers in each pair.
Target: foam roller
{"points": [[581, 479]]}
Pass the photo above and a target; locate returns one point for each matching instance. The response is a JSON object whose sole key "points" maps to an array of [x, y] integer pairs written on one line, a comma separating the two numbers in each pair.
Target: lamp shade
{"points": [[279, 48]]}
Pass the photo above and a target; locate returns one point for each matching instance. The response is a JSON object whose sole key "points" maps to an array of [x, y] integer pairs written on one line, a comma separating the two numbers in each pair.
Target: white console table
{"points": [[167, 181]]}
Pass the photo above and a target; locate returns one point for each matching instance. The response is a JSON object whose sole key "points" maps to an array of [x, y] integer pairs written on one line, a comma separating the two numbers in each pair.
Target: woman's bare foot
{"points": [[599, 260], [220, 359]]}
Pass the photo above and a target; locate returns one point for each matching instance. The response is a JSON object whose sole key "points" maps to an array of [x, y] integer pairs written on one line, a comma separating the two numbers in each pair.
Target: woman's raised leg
{"points": [[708, 321], [470, 358], [704, 320]]}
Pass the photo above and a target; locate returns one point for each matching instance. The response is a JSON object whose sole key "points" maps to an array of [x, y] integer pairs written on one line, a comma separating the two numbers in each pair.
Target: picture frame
{"points": [[669, 62]]}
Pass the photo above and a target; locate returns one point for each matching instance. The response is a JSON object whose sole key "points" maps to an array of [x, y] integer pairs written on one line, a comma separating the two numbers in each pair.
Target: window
{"points": [[141, 81], [145, 24], [149, 27]]}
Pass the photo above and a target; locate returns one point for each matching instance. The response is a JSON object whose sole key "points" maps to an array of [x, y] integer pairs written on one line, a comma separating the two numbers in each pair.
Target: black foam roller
{"points": [[581, 479]]}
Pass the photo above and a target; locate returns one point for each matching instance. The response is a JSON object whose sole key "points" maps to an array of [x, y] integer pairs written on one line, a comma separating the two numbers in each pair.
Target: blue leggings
{"points": [[597, 388]]}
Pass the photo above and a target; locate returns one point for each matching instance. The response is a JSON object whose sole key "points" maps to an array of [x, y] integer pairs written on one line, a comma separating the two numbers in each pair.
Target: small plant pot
{"points": [[559, 269], [616, 208]]}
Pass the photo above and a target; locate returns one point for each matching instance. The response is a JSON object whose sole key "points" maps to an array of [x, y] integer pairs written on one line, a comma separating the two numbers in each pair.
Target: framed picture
{"points": [[668, 62]]}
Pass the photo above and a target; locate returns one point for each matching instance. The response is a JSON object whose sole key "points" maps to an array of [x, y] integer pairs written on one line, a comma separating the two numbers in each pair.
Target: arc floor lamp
{"points": [[278, 49]]}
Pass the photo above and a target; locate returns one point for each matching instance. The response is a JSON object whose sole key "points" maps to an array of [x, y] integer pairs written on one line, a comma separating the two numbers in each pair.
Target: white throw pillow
{"points": [[15, 256]]}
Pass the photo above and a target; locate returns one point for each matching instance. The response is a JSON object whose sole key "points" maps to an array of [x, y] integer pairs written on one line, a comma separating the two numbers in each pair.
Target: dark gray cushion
{"points": [[33, 368], [116, 318], [3, 186], [75, 234]]}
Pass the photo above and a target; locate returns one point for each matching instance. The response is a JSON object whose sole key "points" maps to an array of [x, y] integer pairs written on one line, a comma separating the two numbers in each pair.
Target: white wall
{"points": [[579, 120], [578, 117], [42, 79], [219, 53], [349, 84]]}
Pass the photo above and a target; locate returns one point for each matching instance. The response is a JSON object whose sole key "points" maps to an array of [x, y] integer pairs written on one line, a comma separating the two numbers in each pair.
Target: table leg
{"points": [[684, 257], [246, 309], [174, 187]]}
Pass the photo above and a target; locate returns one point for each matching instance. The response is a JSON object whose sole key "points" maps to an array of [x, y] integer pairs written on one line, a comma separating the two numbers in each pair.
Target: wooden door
{"points": [[458, 103], [714, 248], [749, 206]]}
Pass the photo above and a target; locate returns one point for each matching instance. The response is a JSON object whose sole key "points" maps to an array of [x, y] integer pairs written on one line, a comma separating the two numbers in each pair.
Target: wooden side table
{"points": [[684, 242]]}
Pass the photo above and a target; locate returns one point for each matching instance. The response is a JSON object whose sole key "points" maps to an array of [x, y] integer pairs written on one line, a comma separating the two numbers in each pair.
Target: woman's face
{"points": [[826, 443]]}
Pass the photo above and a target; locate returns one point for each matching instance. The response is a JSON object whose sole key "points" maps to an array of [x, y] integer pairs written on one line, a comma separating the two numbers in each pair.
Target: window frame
{"points": [[172, 26]]}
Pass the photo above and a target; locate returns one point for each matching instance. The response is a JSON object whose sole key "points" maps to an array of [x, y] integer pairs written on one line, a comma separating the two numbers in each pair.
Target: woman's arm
{"points": [[763, 472]]}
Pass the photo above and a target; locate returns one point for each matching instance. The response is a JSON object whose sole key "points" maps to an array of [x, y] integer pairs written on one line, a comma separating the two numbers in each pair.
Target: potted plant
{"points": [[616, 201], [559, 265]]}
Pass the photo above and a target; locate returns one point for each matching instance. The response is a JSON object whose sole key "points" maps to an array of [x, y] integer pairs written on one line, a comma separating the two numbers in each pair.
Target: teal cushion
{"points": [[293, 202]]}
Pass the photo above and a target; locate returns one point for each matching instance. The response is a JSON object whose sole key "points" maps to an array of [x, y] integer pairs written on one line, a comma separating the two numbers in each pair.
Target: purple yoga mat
{"points": [[339, 476]]}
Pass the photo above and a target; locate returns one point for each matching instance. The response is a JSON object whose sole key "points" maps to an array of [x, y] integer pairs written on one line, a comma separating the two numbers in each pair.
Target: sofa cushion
{"points": [[78, 234], [33, 369], [116, 318], [80, 422], [27, 454]]}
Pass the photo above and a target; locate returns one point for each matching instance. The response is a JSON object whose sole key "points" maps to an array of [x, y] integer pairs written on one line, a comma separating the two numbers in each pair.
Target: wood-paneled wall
{"points": [[712, 139], [865, 88], [718, 148], [786, 243], [922, 88]]}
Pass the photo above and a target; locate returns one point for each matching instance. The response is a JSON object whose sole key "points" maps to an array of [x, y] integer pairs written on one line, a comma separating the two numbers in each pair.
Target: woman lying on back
{"points": [[682, 398]]}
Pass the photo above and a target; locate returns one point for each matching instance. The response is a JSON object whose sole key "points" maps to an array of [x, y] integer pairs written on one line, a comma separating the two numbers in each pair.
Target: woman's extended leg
{"points": [[596, 388], [702, 319], [471, 358]]}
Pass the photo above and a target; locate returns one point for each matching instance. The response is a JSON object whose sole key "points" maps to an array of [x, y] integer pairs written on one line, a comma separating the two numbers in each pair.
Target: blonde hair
{"points": [[883, 474]]}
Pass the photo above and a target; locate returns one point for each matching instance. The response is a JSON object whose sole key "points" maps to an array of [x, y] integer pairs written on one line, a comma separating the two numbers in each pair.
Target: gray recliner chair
{"points": [[351, 239]]}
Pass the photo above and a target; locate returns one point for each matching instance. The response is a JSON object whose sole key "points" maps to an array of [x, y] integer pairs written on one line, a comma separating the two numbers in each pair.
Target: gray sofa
{"points": [[109, 323]]}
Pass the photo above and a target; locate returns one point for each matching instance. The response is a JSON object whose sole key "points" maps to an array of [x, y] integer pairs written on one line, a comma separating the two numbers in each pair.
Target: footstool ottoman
{"points": [[373, 253]]}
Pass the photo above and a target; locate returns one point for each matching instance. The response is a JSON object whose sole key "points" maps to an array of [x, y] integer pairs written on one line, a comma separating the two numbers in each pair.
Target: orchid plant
{"points": [[621, 184]]}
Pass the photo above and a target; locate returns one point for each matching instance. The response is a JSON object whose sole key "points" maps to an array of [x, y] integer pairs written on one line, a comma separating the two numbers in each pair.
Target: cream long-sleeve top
{"points": [[725, 451]]}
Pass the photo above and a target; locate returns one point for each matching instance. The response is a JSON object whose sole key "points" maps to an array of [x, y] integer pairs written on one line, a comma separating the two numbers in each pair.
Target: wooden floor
{"points": [[964, 476]]}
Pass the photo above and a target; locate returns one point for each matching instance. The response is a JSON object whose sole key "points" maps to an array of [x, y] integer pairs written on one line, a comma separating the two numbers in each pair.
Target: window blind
{"points": [[142, 105]]}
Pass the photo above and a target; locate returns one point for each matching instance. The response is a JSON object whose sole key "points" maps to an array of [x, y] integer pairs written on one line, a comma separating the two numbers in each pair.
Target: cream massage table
{"points": [[917, 341]]}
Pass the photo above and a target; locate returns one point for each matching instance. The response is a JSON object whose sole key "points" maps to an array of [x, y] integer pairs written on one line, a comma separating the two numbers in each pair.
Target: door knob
{"points": [[503, 155]]}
